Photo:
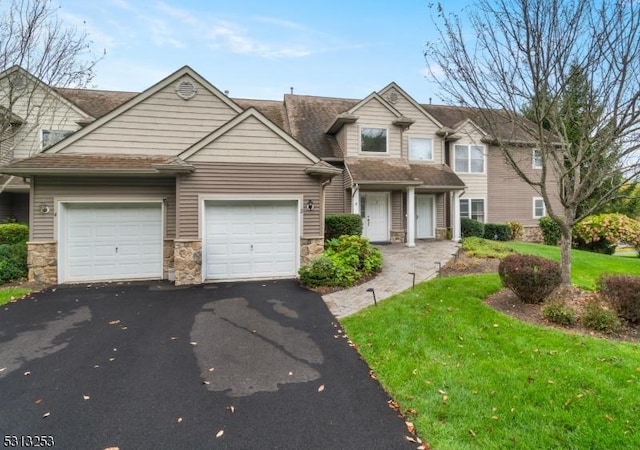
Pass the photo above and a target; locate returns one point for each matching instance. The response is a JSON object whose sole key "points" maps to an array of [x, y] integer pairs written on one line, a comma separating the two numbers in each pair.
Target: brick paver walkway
{"points": [[399, 261]]}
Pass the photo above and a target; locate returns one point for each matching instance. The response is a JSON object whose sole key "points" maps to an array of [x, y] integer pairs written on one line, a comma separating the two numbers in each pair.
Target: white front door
{"points": [[425, 223], [375, 216], [251, 239]]}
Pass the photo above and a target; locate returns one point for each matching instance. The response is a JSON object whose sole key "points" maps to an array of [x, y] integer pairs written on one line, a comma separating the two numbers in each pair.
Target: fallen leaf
{"points": [[551, 382], [96, 366], [123, 327], [112, 359], [410, 439], [410, 427], [219, 434], [26, 374], [193, 343], [38, 401], [112, 448], [290, 374], [321, 388], [494, 417], [393, 404], [205, 382], [472, 433], [86, 397], [608, 417], [114, 322], [174, 338], [445, 398], [211, 369], [441, 391], [45, 415], [232, 409], [179, 419], [3, 369]]}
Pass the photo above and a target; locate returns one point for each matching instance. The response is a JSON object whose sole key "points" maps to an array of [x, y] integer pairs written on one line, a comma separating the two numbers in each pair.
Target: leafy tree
{"points": [[505, 54]]}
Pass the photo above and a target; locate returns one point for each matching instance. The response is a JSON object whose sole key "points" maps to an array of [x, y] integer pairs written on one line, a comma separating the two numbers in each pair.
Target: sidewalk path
{"points": [[399, 261]]}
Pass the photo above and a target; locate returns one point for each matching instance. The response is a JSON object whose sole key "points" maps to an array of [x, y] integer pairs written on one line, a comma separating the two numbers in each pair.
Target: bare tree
{"points": [[503, 55], [34, 39]]}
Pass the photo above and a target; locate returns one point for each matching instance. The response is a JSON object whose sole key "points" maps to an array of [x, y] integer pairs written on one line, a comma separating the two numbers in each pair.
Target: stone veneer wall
{"points": [[310, 248], [441, 234], [42, 260], [167, 257], [398, 236], [187, 259], [532, 234]]}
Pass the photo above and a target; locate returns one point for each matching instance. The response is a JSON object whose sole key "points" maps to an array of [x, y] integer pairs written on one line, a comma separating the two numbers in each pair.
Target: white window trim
{"points": [[360, 140], [484, 209], [420, 160], [533, 159], [469, 145], [544, 207]]}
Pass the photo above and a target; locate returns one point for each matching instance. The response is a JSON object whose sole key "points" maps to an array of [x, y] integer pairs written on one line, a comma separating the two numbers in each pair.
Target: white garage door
{"points": [[111, 241], [251, 239]]}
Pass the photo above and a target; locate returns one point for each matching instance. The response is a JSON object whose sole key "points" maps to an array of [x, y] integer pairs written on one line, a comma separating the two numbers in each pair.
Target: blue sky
{"points": [[258, 48]]}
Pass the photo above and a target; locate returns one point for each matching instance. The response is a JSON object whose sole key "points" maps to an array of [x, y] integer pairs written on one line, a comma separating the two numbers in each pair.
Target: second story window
{"points": [[469, 158], [373, 140], [51, 137], [421, 149], [537, 159]]}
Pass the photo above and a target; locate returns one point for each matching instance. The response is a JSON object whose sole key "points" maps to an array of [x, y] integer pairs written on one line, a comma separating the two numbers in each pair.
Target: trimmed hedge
{"points": [[623, 293], [531, 278], [13, 233], [497, 232], [13, 262], [471, 228], [550, 231], [337, 225]]}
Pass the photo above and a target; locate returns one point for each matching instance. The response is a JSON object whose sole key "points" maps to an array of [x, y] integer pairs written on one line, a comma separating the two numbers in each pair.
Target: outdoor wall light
{"points": [[44, 208], [310, 205]]}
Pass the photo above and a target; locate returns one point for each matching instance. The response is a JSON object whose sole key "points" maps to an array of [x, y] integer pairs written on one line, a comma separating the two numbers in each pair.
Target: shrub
{"points": [[471, 228], [497, 232], [341, 224], [558, 312], [602, 233], [482, 248], [550, 230], [531, 278], [13, 233], [517, 230], [345, 260], [598, 318], [13, 262], [623, 293]]}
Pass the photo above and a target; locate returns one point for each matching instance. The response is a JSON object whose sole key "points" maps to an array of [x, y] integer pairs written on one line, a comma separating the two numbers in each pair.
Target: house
{"points": [[182, 182]]}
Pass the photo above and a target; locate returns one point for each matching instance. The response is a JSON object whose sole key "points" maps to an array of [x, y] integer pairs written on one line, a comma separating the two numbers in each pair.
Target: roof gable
{"points": [[394, 87], [262, 122], [185, 71], [371, 97]]}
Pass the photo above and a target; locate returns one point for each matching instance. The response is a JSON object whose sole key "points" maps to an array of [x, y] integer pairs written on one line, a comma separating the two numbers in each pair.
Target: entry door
{"points": [[375, 216], [425, 206]]}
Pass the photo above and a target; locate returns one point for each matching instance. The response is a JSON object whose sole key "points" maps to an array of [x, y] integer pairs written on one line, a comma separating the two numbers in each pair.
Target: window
{"points": [[539, 209], [469, 158], [421, 149], [373, 140], [471, 208], [537, 159], [51, 137]]}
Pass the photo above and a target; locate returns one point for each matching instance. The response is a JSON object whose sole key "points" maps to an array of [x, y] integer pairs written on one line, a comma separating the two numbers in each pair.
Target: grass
{"points": [[471, 377], [586, 266], [8, 294], [484, 248]]}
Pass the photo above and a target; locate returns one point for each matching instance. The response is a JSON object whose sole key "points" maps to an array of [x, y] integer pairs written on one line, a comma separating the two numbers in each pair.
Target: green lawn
{"points": [[586, 266], [8, 294], [471, 377]]}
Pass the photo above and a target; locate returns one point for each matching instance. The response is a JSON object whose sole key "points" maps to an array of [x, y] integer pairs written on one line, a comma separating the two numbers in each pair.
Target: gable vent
{"points": [[393, 97], [186, 90]]}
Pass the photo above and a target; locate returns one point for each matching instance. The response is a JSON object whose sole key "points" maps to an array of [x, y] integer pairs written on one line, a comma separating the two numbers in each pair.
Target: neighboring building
{"points": [[181, 181]]}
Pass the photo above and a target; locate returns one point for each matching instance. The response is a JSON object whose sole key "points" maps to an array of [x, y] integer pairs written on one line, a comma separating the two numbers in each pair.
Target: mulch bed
{"points": [[508, 303]]}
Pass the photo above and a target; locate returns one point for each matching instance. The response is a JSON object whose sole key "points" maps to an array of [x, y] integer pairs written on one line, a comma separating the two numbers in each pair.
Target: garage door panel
{"points": [[251, 239], [112, 241]]}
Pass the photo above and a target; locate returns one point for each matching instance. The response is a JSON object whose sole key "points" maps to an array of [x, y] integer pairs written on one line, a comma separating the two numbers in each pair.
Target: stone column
{"points": [[42, 260], [411, 216], [187, 259]]}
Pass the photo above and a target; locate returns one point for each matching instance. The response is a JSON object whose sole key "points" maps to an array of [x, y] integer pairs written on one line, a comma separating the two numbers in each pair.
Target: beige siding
{"points": [[163, 124], [6, 145], [251, 181], [47, 190], [477, 184], [374, 115], [341, 138], [40, 108], [440, 217], [250, 142], [334, 196], [510, 198], [397, 210]]}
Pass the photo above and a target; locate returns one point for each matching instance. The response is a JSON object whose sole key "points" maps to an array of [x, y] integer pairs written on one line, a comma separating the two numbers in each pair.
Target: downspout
{"points": [[322, 204]]}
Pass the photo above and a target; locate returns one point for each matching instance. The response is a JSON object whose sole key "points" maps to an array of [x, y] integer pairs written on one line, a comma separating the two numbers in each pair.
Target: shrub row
{"points": [[623, 293], [13, 251], [342, 224], [493, 231], [13, 233], [531, 278], [345, 260]]}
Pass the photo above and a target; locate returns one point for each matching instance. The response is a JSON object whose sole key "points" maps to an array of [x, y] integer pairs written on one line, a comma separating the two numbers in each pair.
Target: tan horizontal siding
{"points": [[440, 211], [49, 189], [374, 115], [510, 198], [163, 124], [397, 210], [251, 180], [334, 196]]}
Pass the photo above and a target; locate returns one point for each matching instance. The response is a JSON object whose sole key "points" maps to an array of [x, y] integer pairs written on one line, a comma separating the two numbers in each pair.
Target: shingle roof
{"points": [[72, 162], [383, 171], [272, 109], [96, 103]]}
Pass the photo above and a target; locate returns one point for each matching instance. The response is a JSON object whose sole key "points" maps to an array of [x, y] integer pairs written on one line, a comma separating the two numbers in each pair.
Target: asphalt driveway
{"points": [[149, 365]]}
